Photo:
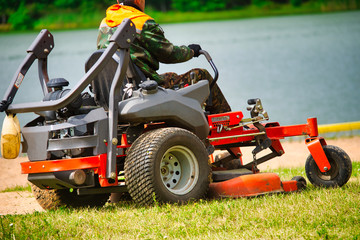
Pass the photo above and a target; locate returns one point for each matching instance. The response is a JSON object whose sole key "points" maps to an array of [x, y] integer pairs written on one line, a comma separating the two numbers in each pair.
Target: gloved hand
{"points": [[196, 48]]}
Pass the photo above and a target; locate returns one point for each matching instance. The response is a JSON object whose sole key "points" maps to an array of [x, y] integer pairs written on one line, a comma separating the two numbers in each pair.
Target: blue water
{"points": [[300, 66]]}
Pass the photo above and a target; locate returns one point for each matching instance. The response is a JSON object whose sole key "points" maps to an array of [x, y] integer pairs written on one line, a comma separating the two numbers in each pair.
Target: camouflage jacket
{"points": [[150, 46]]}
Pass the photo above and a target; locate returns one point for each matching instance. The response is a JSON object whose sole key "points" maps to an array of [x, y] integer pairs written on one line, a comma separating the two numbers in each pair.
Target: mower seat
{"points": [[102, 83]]}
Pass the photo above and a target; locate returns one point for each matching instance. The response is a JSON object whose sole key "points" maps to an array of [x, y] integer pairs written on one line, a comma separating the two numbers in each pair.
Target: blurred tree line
{"points": [[23, 14]]}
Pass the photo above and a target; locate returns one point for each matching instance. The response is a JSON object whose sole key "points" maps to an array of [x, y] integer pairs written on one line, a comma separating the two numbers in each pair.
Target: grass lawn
{"points": [[311, 214]]}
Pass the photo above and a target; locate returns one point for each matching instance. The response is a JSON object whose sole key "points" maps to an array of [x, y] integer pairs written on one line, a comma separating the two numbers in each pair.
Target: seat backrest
{"points": [[102, 82]]}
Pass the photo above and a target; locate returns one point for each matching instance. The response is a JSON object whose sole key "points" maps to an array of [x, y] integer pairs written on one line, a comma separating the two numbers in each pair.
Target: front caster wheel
{"points": [[339, 172], [169, 165]]}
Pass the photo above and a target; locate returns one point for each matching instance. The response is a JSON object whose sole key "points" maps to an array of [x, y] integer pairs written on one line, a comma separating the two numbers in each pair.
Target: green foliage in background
{"points": [[65, 3], [198, 5], [65, 14], [21, 19]]}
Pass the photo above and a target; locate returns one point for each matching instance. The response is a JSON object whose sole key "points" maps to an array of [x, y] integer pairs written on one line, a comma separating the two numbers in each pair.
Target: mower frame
{"points": [[227, 131]]}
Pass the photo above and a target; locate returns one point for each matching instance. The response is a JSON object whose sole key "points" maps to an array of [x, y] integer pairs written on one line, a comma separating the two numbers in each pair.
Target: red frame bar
{"points": [[273, 131], [281, 132], [96, 163], [61, 165]]}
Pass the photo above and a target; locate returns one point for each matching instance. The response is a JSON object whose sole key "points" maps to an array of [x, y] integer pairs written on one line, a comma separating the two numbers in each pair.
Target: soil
{"points": [[23, 202]]}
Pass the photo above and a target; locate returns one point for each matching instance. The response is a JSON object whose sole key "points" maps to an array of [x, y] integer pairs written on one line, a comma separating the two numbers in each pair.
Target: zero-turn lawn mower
{"points": [[133, 136]]}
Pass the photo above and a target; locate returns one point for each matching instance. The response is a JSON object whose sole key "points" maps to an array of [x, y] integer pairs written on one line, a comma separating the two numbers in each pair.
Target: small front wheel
{"points": [[339, 172]]}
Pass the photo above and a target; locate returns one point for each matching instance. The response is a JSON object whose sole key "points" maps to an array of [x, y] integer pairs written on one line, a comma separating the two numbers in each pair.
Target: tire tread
{"points": [[139, 165]]}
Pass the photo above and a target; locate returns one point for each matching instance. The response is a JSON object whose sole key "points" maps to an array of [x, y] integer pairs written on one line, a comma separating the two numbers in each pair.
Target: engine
{"points": [[58, 92]]}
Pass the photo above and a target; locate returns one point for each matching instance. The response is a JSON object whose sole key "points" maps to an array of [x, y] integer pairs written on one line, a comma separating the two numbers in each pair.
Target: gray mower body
{"points": [[181, 108]]}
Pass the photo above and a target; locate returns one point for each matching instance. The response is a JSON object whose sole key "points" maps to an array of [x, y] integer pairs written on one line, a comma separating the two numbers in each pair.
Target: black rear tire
{"points": [[337, 176], [169, 165], [55, 198]]}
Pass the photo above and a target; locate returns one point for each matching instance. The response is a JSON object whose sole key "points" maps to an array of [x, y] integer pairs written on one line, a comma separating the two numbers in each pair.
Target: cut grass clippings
{"points": [[314, 213]]}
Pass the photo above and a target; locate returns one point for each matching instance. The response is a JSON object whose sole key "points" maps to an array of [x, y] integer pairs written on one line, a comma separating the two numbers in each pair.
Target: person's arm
{"points": [[152, 39]]}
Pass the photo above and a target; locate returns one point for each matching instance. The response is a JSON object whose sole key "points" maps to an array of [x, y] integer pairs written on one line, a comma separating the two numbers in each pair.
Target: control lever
{"points": [[257, 108]]}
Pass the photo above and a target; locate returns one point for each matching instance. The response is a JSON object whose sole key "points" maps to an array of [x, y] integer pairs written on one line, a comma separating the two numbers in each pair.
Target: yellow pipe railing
{"points": [[339, 127]]}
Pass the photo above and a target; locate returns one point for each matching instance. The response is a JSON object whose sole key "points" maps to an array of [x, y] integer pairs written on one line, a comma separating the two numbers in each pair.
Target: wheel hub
{"points": [[179, 170], [331, 174], [170, 170]]}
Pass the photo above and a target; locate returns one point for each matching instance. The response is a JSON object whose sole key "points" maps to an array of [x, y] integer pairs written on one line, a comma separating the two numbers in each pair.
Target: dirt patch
{"points": [[11, 173], [15, 202], [24, 202]]}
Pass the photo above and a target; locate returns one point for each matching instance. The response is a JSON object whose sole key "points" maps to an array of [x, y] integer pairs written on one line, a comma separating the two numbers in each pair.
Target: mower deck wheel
{"points": [[300, 182]]}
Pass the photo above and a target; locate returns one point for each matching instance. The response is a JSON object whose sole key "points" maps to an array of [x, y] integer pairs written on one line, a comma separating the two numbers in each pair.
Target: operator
{"points": [[150, 47]]}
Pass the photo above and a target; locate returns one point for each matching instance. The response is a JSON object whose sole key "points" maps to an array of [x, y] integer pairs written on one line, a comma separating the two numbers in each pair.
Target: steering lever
{"points": [[209, 59]]}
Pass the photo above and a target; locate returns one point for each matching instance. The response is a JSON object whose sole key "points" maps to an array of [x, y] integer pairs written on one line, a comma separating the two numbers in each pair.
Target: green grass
{"points": [[17, 189], [311, 214]]}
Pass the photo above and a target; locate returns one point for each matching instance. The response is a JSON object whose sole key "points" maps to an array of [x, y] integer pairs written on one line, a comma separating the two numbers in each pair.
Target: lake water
{"points": [[300, 66]]}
